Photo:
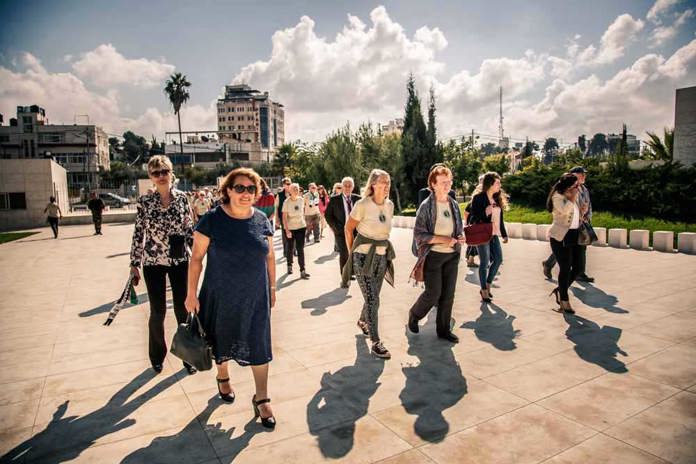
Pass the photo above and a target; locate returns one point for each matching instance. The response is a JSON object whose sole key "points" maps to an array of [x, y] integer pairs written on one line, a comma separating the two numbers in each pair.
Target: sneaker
{"points": [[289, 269], [304, 275], [547, 270], [450, 337], [363, 326], [380, 351]]}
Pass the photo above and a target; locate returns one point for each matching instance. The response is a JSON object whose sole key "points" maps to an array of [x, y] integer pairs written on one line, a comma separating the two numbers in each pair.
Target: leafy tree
{"points": [[465, 161], [582, 143], [177, 92], [550, 148], [598, 145], [115, 150], [414, 146], [135, 147], [497, 163], [284, 158], [662, 149], [529, 149]]}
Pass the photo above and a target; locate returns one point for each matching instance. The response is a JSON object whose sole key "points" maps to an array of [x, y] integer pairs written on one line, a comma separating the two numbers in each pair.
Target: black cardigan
{"points": [[478, 212]]}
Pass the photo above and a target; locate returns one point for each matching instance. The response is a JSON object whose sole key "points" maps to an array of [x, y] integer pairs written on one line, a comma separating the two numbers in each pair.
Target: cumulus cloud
{"points": [[65, 95], [659, 8], [641, 95], [105, 67], [663, 33], [613, 42]]}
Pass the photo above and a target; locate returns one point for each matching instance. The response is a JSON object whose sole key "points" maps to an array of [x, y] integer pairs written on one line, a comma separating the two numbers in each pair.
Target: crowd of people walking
{"points": [[233, 229]]}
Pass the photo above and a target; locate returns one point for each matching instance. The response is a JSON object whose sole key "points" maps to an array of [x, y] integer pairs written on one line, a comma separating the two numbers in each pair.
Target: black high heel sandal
{"points": [[363, 326], [556, 294], [226, 397], [268, 422], [487, 300]]}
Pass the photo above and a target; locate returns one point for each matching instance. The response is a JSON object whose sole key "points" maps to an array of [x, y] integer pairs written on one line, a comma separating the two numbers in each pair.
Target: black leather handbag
{"points": [[189, 344]]}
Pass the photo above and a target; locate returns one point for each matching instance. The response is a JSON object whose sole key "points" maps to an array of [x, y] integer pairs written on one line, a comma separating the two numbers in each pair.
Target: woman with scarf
{"points": [[437, 242], [372, 253]]}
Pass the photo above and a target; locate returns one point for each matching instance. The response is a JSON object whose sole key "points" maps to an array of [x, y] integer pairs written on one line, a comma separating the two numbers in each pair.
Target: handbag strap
{"points": [[194, 317]]}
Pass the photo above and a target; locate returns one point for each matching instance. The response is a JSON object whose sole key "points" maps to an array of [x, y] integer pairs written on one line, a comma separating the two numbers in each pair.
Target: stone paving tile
{"points": [[18, 415], [673, 366], [602, 449], [409, 457], [10, 439], [364, 441], [667, 430], [608, 400], [546, 377], [334, 401], [429, 414], [527, 435]]}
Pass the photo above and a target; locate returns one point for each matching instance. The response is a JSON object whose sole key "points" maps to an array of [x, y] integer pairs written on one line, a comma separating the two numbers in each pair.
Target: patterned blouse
{"points": [[153, 226]]}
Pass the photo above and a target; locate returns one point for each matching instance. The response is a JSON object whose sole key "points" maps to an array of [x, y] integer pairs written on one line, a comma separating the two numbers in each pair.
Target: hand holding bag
{"points": [[586, 234], [189, 344], [478, 234]]}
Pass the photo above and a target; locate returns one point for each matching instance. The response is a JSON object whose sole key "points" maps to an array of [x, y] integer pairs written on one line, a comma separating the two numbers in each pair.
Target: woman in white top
{"points": [[371, 252], [563, 235], [54, 214], [295, 228]]}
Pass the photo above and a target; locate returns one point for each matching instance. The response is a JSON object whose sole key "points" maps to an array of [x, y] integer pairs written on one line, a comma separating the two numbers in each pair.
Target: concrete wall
{"points": [[685, 126], [39, 179]]}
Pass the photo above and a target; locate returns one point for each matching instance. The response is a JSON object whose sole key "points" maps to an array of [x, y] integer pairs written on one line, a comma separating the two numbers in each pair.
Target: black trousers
{"points": [[53, 222], [97, 220], [440, 273], [285, 243], [342, 251], [582, 260], [155, 281], [569, 256], [296, 242]]}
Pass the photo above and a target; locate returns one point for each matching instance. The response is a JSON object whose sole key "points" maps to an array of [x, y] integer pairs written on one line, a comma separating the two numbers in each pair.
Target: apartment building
{"points": [[82, 149], [250, 123]]}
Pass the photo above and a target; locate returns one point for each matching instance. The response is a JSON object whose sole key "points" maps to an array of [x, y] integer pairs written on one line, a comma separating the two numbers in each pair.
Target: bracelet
{"points": [[273, 288]]}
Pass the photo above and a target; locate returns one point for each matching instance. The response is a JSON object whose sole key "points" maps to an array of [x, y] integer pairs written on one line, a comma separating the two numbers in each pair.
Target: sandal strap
{"points": [[222, 380], [263, 401]]}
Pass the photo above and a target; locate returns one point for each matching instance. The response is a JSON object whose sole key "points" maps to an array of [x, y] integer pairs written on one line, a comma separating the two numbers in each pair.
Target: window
{"points": [[4, 138], [51, 137], [13, 200], [230, 118]]}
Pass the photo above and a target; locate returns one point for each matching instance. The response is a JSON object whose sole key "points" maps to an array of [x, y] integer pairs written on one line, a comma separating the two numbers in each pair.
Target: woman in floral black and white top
{"points": [[162, 246]]}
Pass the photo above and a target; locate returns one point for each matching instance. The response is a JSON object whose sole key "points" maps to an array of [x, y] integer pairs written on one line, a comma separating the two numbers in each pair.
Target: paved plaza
{"points": [[614, 384]]}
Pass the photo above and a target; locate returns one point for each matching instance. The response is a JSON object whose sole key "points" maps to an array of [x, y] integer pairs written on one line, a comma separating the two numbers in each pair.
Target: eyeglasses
{"points": [[239, 188], [160, 173]]}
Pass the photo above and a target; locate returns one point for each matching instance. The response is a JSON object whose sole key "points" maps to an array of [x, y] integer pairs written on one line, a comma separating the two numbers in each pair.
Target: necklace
{"points": [[382, 216]]}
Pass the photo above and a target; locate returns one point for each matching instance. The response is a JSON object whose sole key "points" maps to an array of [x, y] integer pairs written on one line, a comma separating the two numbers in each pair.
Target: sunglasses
{"points": [[239, 188], [160, 173]]}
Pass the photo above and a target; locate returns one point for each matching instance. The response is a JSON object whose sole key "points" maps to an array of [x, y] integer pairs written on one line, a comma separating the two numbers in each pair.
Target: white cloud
{"points": [[662, 34], [105, 67], [613, 42], [659, 8], [641, 96], [65, 95]]}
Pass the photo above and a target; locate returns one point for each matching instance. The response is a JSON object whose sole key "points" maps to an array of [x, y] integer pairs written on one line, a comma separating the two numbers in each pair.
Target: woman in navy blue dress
{"points": [[238, 288]]}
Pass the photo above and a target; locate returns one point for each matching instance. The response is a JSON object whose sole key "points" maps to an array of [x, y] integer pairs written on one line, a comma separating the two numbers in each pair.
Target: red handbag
{"points": [[478, 234]]}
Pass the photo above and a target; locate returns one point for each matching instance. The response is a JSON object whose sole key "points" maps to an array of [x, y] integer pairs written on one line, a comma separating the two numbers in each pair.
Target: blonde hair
{"points": [[159, 161], [375, 176]]}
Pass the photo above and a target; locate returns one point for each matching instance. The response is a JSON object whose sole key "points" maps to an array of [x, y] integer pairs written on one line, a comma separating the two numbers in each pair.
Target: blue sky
{"points": [[463, 47]]}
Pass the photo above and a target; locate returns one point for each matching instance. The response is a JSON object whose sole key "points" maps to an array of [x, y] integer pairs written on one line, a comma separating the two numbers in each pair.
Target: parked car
{"points": [[113, 200]]}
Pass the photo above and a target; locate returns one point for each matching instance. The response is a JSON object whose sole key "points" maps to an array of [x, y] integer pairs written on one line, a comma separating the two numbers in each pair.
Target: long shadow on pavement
{"points": [[343, 399], [174, 448], [597, 298], [595, 344], [320, 304], [65, 438], [436, 383], [326, 258], [494, 327]]}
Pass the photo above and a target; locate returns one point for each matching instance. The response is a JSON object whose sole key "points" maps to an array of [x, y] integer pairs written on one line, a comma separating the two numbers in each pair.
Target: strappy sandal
{"points": [[226, 397], [268, 422]]}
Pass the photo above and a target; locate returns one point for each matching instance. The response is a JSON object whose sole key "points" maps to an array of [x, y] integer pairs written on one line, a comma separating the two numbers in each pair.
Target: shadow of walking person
{"points": [[188, 445], [320, 304], [342, 400], [598, 298], [432, 386], [65, 438], [494, 327], [595, 344]]}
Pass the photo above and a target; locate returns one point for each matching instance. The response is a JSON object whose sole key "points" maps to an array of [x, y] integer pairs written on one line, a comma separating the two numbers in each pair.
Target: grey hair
{"points": [[375, 176]]}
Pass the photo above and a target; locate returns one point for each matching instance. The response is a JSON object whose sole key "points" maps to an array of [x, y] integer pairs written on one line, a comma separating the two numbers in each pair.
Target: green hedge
{"points": [[665, 192]]}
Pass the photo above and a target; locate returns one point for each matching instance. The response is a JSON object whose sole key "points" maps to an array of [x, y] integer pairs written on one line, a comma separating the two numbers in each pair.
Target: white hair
{"points": [[348, 179]]}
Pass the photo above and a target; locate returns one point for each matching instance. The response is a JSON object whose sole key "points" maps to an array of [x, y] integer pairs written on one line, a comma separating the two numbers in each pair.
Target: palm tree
{"points": [[176, 89], [663, 149]]}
